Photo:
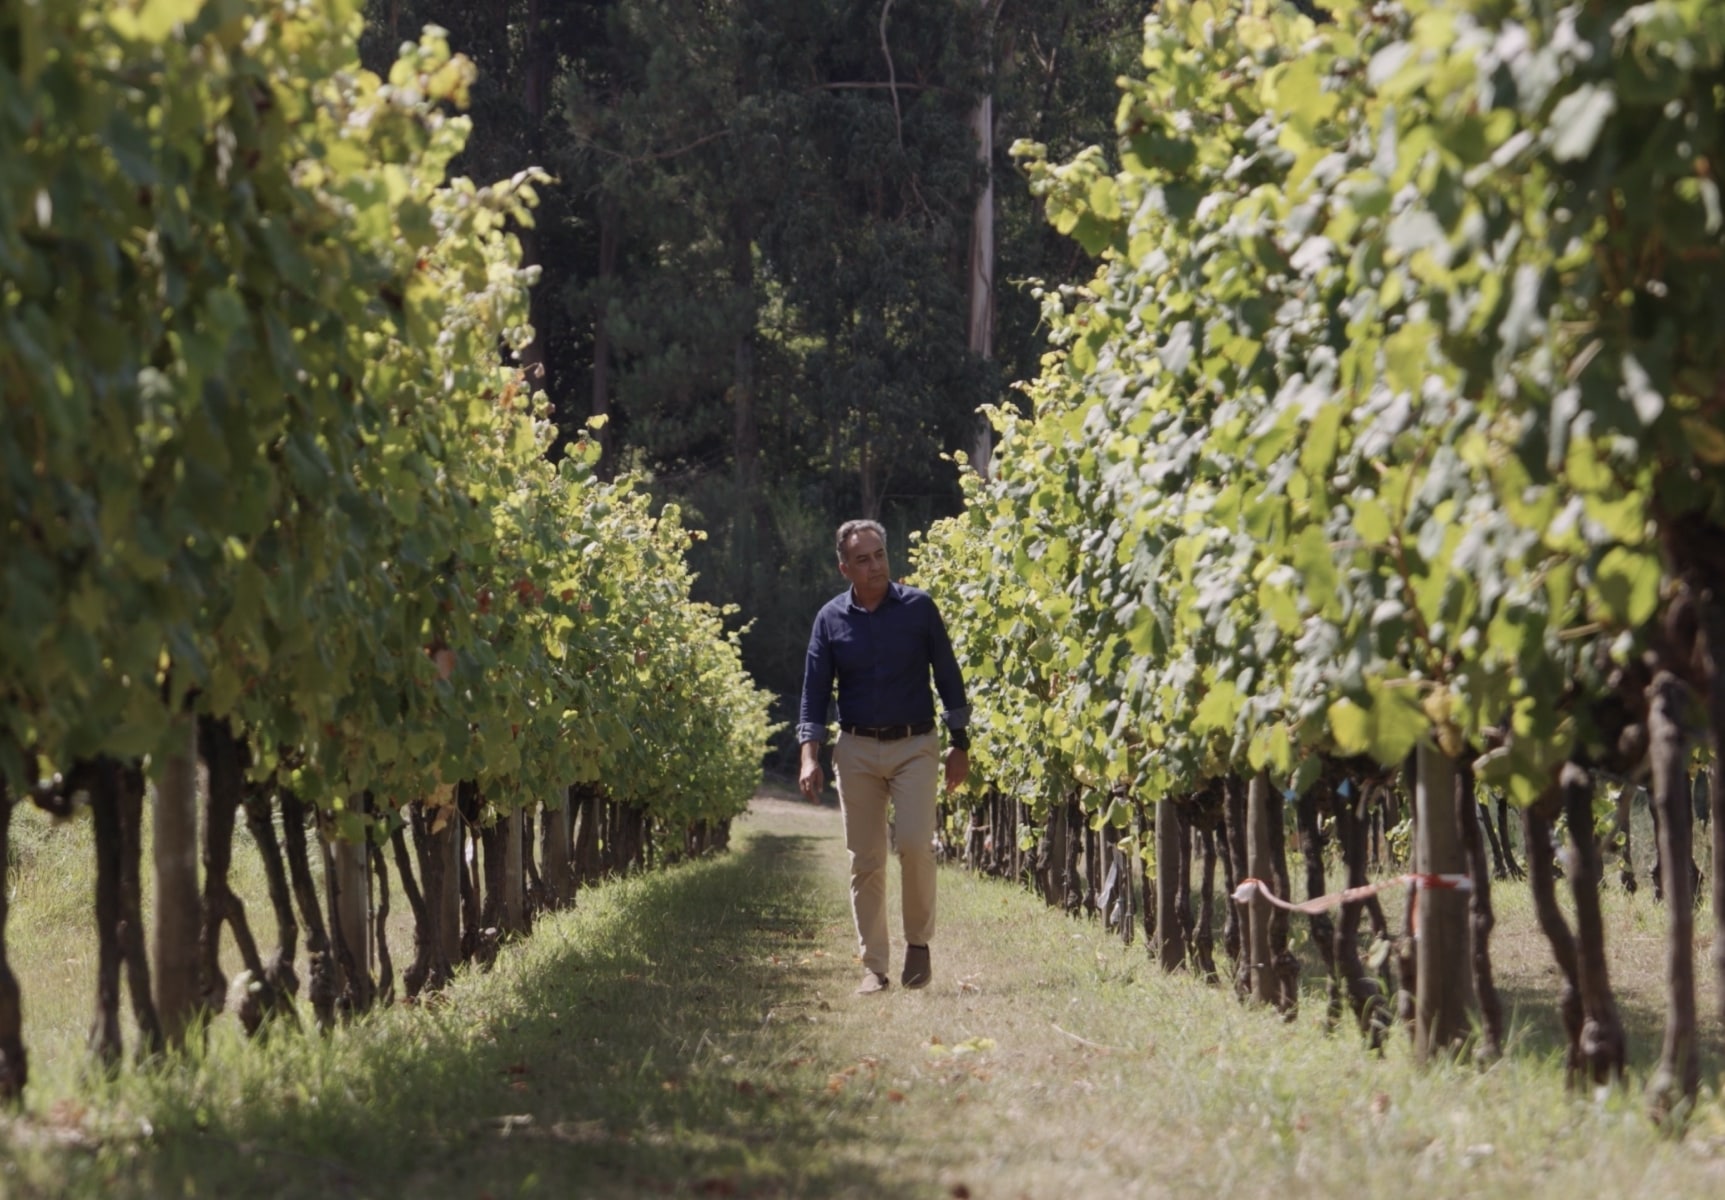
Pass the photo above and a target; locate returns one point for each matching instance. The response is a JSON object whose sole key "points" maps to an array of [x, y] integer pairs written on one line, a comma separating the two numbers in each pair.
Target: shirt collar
{"points": [[894, 594]]}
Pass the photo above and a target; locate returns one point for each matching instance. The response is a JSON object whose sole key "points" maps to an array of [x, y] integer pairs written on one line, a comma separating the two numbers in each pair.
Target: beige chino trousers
{"points": [[871, 774]]}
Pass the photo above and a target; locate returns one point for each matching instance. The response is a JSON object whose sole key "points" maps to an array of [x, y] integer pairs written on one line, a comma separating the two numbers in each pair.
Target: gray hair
{"points": [[851, 529]]}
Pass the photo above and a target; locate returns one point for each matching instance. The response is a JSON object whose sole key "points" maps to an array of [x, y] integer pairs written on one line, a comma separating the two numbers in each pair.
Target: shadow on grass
{"points": [[645, 1048], [1536, 1029], [1533, 1026]]}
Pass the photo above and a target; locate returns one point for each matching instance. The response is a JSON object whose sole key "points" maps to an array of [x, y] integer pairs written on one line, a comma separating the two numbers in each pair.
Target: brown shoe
{"points": [[917, 971], [872, 982]]}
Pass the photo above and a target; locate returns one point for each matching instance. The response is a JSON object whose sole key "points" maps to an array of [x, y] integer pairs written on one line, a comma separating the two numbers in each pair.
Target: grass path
{"points": [[693, 1032]]}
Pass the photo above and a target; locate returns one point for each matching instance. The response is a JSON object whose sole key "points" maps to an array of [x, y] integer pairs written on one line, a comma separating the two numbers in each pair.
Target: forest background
{"points": [[766, 253]]}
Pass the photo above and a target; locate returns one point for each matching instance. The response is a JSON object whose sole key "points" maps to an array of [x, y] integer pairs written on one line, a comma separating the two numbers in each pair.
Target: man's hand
{"points": [[957, 768], [813, 780]]}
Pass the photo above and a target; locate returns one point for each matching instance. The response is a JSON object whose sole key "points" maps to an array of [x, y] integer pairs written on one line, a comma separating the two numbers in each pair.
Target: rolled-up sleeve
{"points": [[817, 685], [948, 681]]}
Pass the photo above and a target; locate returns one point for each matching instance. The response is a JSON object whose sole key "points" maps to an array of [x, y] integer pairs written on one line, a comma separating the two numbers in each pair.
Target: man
{"points": [[881, 640]]}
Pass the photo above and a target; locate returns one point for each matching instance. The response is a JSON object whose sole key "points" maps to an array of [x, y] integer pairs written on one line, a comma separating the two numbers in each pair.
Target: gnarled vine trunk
{"points": [[1312, 855], [384, 990], [279, 968], [1349, 979], [104, 785], [224, 758], [1481, 918], [1712, 653], [1675, 1083], [179, 910], [348, 884], [1603, 1046], [1264, 986], [1542, 882], [1170, 935], [1204, 938], [1234, 929], [558, 880], [320, 961], [14, 1064]]}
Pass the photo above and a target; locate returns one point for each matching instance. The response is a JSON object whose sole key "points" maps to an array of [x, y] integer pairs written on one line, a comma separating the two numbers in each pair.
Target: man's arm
{"points": [[947, 679], [812, 712], [949, 682]]}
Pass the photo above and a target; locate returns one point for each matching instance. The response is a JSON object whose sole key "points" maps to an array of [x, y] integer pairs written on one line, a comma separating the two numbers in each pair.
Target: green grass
{"points": [[694, 1032]]}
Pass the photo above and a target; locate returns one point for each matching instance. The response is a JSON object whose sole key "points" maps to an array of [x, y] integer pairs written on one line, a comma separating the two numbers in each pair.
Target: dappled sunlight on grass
{"points": [[626, 1045], [695, 1032]]}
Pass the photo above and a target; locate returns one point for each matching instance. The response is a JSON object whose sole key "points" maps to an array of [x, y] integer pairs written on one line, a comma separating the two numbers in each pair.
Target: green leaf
{"points": [[1627, 581], [1372, 522], [1316, 563], [1218, 710], [1577, 120], [1387, 727]]}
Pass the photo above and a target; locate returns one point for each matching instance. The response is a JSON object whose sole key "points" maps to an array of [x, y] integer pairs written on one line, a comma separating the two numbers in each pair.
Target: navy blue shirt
{"points": [[882, 660]]}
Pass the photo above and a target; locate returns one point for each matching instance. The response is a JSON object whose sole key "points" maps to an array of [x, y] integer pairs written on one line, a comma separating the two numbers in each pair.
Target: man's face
{"points": [[865, 565]]}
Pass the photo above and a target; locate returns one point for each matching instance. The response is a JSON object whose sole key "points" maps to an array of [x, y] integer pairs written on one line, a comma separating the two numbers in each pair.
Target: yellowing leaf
{"points": [[1627, 582]]}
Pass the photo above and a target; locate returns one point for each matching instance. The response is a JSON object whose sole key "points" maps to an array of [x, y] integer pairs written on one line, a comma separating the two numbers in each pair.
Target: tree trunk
{"points": [[349, 886], [1349, 978], [468, 858], [1234, 860], [1542, 882], [1622, 838], [1259, 865], [751, 520], [512, 914], [1712, 648], [1445, 994], [427, 923], [536, 99], [587, 836], [1127, 867], [384, 992], [1091, 840], [1285, 965], [224, 758], [1146, 878], [1498, 869], [1170, 937], [532, 886], [14, 1064], [1481, 918], [133, 949], [1053, 857], [445, 863], [105, 1039], [1674, 1085], [981, 324], [558, 881], [1073, 899], [1716, 810], [1603, 1049], [1183, 882], [607, 275], [440, 871], [1312, 852], [1512, 867], [320, 961], [976, 841], [1205, 937], [279, 970], [179, 912], [494, 875]]}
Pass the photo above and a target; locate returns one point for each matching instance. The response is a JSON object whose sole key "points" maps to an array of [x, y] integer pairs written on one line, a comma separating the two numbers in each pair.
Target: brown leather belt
{"points": [[888, 733]]}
